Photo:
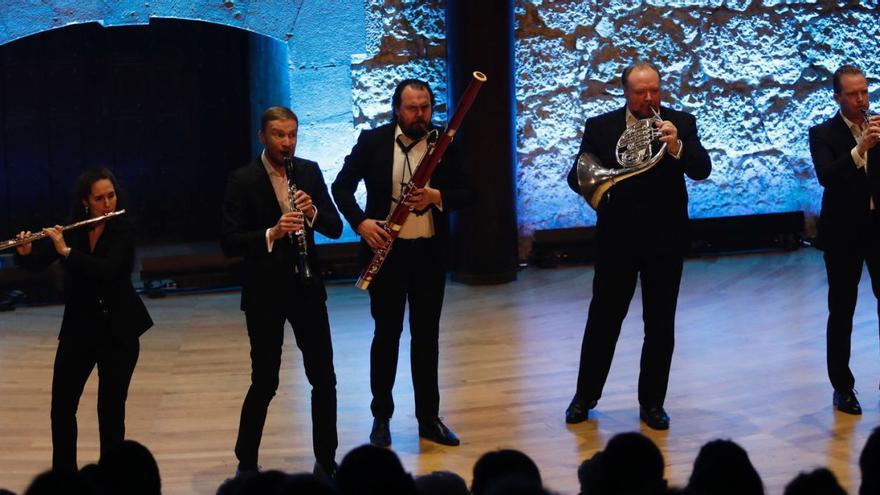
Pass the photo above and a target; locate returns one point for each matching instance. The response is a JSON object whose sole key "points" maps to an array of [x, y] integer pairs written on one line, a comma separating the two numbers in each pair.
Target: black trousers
{"points": [[844, 271], [614, 284], [74, 361], [311, 328], [412, 273]]}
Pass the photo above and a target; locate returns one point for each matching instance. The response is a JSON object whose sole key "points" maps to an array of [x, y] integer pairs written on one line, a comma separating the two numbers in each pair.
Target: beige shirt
{"points": [[415, 226], [856, 130]]}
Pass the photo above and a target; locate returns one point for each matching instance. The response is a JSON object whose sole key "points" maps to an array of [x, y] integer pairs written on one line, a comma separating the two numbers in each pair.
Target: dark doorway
{"points": [[165, 106]]}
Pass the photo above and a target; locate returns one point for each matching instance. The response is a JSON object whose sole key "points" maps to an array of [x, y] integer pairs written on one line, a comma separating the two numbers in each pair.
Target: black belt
{"points": [[419, 241]]}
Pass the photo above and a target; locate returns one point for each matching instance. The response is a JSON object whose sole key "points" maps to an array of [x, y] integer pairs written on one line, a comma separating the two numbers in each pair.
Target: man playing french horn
{"points": [[640, 235]]}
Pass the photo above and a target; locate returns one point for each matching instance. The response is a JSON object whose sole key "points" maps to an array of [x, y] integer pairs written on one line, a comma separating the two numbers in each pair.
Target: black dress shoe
{"points": [[380, 436], [579, 410], [436, 431], [655, 417], [846, 402], [326, 470]]}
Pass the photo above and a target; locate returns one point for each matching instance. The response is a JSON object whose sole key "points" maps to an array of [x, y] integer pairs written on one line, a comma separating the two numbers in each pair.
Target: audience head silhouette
{"points": [[818, 482], [590, 476], [441, 483], [869, 463], [232, 486], [517, 485], [371, 470], [495, 466], [130, 468], [264, 482], [632, 464], [723, 468], [304, 483], [58, 483]]}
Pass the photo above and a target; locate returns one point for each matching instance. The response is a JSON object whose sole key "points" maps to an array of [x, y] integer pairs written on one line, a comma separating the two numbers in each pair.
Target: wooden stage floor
{"points": [[749, 365]]}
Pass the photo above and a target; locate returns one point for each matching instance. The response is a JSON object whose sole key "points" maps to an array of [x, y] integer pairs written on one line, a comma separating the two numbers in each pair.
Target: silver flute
{"points": [[16, 241], [298, 238]]}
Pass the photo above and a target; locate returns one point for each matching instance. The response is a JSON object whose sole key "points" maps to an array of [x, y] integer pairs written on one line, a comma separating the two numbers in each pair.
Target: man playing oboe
{"points": [[260, 224], [385, 158]]}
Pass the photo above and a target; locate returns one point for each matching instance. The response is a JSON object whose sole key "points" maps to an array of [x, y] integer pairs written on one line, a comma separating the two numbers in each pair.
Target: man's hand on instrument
{"points": [[57, 237], [289, 222], [304, 203], [669, 135], [870, 134], [24, 249], [423, 198], [372, 232]]}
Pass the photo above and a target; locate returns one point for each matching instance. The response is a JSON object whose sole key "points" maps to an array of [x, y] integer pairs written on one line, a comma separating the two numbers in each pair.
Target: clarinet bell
{"points": [[305, 272]]}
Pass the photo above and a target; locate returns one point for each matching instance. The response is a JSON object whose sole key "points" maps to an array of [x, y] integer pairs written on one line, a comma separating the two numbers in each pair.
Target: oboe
{"points": [[298, 238]]}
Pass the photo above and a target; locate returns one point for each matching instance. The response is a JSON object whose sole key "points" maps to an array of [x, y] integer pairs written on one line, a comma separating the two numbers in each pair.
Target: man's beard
{"points": [[416, 130]]}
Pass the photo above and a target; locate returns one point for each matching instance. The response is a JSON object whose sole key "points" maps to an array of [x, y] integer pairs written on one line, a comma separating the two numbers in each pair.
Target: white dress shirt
{"points": [[279, 184], [405, 165]]}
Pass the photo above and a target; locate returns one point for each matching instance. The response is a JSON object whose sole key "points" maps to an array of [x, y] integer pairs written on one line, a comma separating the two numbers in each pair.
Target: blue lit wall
{"points": [[755, 73], [343, 56]]}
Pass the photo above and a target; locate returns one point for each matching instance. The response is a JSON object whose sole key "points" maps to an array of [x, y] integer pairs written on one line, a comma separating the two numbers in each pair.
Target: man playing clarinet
{"points": [[386, 158], [262, 223]]}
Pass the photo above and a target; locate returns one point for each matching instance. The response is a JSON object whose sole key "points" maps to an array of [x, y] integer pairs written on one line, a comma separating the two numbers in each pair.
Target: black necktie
{"points": [[405, 147]]}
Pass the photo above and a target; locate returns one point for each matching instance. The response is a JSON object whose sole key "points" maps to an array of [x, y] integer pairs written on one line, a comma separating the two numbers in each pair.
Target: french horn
{"points": [[638, 149]]}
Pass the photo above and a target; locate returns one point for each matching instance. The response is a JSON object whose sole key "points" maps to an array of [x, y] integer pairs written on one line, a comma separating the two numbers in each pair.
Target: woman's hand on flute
{"points": [[57, 237], [24, 249]]}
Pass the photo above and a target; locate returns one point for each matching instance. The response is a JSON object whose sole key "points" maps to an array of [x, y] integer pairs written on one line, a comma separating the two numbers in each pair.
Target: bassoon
{"points": [[426, 167]]}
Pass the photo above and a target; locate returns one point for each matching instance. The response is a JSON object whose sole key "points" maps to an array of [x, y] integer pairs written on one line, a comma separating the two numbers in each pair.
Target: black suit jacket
{"points": [[372, 160], [250, 207], [95, 281], [845, 217], [647, 212]]}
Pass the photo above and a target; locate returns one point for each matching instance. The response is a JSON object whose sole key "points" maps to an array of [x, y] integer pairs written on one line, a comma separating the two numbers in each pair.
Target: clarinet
{"points": [[298, 238]]}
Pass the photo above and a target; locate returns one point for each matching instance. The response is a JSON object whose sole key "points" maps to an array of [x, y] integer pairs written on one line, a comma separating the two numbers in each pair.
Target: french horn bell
{"points": [[638, 149]]}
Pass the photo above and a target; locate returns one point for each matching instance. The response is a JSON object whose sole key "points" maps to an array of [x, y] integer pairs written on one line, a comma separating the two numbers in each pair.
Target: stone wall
{"points": [[755, 74], [405, 39], [321, 37]]}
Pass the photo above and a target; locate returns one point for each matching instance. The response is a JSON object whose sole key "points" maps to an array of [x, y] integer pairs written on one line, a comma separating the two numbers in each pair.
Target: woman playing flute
{"points": [[103, 315]]}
